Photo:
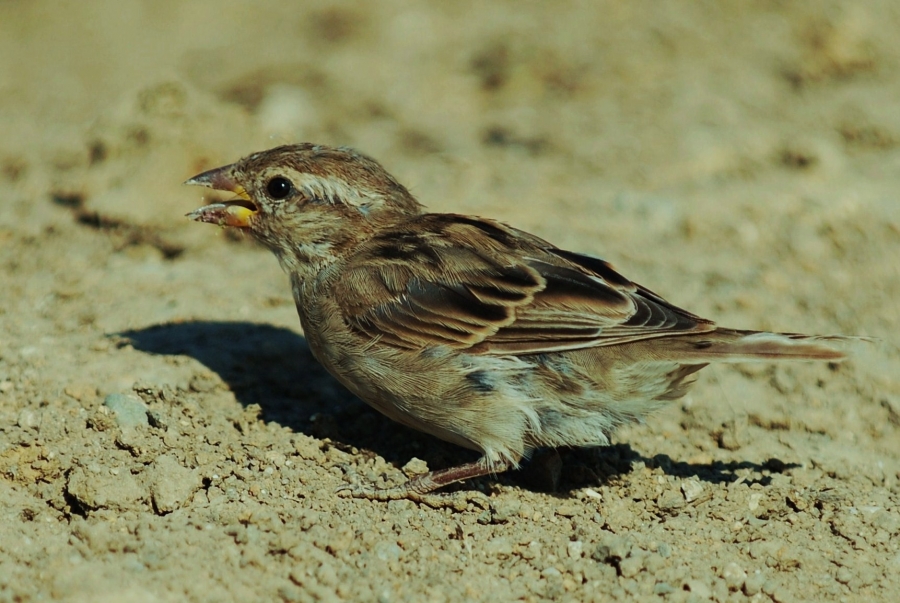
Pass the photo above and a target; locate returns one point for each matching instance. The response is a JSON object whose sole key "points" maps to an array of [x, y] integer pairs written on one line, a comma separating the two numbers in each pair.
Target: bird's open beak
{"points": [[236, 212]]}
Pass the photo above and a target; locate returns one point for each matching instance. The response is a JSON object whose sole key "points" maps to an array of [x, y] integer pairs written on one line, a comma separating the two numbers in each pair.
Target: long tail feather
{"points": [[729, 345]]}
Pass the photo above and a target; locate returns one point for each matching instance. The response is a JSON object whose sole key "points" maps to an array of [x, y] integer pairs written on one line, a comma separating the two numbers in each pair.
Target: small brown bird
{"points": [[466, 328]]}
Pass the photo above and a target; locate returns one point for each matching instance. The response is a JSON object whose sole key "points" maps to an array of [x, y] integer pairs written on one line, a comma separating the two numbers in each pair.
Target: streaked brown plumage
{"points": [[465, 328]]}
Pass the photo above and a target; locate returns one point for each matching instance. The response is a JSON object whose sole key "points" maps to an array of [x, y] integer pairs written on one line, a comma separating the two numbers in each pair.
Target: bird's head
{"points": [[308, 203]]}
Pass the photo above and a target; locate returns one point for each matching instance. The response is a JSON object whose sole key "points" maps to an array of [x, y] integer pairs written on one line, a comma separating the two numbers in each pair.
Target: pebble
{"points": [[104, 490], [28, 419], [550, 572], [499, 547], [663, 588], [612, 548], [631, 567], [504, 509], [699, 588], [171, 484], [415, 467], [753, 584], [575, 549], [567, 510], [130, 411], [387, 551], [692, 489], [670, 500], [734, 576]]}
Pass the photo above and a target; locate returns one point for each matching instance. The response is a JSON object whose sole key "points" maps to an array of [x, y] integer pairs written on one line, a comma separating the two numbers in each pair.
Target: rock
{"points": [[699, 588], [171, 484], [630, 567], [387, 550], [130, 411], [670, 500], [692, 489], [505, 508], [28, 419], [734, 576], [414, 468], [753, 584], [104, 490], [612, 549], [499, 547], [663, 588], [575, 549], [567, 510]]}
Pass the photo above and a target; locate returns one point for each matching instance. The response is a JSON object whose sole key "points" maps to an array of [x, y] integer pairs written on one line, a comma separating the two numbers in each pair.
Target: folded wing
{"points": [[456, 281]]}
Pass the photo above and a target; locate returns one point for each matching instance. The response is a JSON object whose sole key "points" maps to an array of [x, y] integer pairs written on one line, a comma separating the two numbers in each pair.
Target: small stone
{"points": [[550, 572], [276, 458], [387, 551], [844, 575], [612, 549], [566, 510], [415, 467], [575, 549], [157, 420], [753, 584], [171, 484], [732, 435], [631, 567], [591, 493], [499, 547], [670, 500], [692, 489], [781, 595], [503, 510], [699, 588], [104, 490], [654, 563], [28, 419], [532, 551], [203, 382], [734, 576], [753, 502], [729, 441], [663, 588], [130, 411], [796, 499], [81, 391]]}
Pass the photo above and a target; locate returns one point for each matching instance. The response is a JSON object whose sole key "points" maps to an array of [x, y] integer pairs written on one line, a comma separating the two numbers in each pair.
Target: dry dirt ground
{"points": [[165, 434]]}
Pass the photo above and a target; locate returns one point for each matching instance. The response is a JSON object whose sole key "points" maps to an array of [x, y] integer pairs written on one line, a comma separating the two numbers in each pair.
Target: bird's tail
{"points": [[731, 345]]}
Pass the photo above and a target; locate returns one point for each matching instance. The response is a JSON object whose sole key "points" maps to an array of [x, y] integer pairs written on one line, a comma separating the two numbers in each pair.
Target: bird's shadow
{"points": [[274, 368]]}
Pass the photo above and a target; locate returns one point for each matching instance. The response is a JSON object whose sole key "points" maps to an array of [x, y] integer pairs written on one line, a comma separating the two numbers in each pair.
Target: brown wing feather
{"points": [[466, 283]]}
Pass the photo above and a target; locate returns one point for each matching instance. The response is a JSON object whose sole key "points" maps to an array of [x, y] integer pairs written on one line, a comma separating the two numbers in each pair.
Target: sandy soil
{"points": [[165, 434]]}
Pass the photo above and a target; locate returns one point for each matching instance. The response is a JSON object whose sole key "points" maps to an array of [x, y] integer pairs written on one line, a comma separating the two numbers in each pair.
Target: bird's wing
{"points": [[466, 283]]}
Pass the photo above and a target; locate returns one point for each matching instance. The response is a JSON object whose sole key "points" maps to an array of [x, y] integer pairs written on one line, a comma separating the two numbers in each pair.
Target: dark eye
{"points": [[279, 188]]}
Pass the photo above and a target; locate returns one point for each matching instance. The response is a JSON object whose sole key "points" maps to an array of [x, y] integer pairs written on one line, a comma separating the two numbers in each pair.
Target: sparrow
{"points": [[466, 328]]}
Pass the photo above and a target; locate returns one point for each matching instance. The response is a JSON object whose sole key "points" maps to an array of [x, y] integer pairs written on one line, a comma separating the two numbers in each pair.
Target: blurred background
{"points": [[610, 125], [621, 126]]}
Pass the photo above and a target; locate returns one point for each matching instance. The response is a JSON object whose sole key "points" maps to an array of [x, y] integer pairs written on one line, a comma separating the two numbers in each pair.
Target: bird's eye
{"points": [[279, 188]]}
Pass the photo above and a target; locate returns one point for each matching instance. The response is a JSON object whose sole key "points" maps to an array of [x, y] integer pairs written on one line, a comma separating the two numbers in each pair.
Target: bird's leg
{"points": [[418, 487]]}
